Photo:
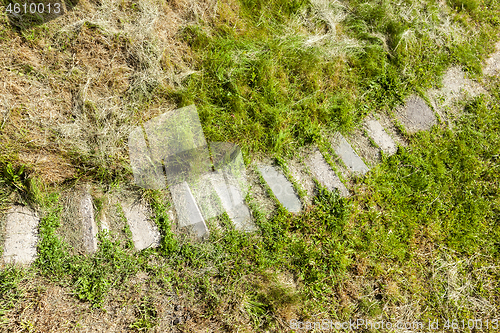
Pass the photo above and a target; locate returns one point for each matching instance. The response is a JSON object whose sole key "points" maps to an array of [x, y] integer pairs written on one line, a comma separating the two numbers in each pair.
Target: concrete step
{"points": [[387, 122], [380, 136], [21, 235], [363, 147], [349, 157], [89, 224], [188, 213], [78, 226], [233, 200], [231, 184], [324, 173], [416, 115], [300, 174], [281, 187], [144, 232]]}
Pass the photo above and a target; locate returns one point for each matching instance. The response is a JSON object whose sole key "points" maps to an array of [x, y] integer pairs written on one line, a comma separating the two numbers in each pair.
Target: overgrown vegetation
{"points": [[419, 238]]}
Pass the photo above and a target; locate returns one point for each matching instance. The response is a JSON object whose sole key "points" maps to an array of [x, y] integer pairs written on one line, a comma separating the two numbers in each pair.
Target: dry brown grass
{"points": [[73, 89], [321, 29], [49, 307], [461, 283]]}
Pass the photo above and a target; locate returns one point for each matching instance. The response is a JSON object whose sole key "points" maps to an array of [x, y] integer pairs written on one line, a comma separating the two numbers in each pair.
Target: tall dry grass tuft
{"points": [[321, 26]]}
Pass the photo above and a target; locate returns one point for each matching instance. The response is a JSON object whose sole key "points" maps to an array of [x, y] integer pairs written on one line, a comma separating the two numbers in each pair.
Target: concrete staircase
{"points": [[349, 156]]}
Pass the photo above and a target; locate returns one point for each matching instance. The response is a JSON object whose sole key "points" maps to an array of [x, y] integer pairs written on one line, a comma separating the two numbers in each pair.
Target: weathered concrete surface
{"points": [[281, 187], [78, 226], [388, 124], [204, 195], [89, 224], [324, 173], [144, 232], [348, 156], [111, 218], [21, 235], [416, 115], [188, 213], [230, 183], [380, 137]]}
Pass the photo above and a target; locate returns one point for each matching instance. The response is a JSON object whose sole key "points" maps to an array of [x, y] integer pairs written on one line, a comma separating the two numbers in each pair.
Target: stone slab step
{"points": [[230, 183], [232, 201], [144, 232], [188, 212], [89, 224], [21, 235], [348, 156], [324, 173], [281, 187], [395, 133], [380, 137], [78, 226], [416, 115]]}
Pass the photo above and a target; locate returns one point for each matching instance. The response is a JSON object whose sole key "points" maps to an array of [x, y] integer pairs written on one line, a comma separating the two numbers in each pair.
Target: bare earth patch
{"points": [[456, 87]]}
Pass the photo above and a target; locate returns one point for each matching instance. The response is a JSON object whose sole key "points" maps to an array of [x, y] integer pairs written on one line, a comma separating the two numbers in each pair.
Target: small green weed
{"points": [[169, 244], [52, 257], [15, 177], [146, 315]]}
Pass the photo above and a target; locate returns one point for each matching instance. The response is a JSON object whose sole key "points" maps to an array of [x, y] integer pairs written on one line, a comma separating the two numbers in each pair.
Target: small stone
{"points": [[176, 321]]}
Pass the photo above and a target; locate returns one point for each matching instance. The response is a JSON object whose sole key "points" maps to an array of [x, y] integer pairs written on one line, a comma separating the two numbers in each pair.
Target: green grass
{"points": [[422, 229], [442, 189], [443, 186], [261, 87]]}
